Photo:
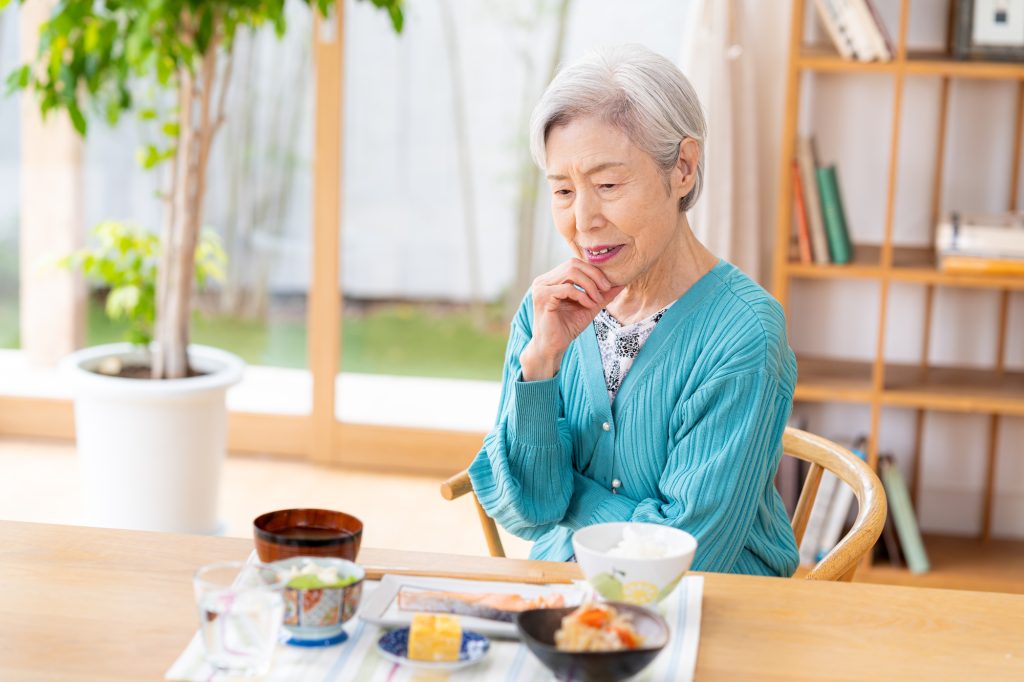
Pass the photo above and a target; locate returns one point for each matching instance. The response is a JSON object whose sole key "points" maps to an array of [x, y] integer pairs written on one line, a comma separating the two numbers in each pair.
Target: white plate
{"points": [[380, 607]]}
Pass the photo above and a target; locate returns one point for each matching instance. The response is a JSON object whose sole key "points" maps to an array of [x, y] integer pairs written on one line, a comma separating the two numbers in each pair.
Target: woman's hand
{"points": [[565, 301]]}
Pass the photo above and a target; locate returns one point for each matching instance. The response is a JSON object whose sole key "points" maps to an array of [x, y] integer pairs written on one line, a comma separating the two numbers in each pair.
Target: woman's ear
{"points": [[686, 164]]}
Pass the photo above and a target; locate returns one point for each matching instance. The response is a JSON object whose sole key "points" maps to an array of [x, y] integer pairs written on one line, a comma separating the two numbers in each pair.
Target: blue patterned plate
{"points": [[394, 646]]}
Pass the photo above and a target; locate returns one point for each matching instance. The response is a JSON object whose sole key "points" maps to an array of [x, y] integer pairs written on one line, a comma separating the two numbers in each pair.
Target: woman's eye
{"points": [[607, 186], [563, 192]]}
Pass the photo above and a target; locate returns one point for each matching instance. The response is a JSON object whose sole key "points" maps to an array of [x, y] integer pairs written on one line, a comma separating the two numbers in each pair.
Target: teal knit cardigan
{"points": [[694, 434]]}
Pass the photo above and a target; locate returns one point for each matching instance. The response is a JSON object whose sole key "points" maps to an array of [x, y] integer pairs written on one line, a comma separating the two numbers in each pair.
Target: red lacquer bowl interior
{"points": [[307, 532]]}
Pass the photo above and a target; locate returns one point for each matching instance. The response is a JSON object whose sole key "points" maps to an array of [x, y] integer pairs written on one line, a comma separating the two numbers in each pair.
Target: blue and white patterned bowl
{"points": [[317, 617], [394, 646]]}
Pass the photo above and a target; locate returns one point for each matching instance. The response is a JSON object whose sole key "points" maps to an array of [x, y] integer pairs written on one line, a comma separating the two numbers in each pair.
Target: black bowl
{"points": [[538, 626]]}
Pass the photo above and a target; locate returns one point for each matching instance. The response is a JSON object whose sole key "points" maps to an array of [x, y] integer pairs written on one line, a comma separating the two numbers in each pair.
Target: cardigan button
{"points": [[616, 484], [606, 426]]}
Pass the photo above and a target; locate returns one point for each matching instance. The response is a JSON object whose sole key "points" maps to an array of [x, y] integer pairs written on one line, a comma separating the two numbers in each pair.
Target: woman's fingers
{"points": [[566, 291], [595, 273], [583, 274], [583, 281]]}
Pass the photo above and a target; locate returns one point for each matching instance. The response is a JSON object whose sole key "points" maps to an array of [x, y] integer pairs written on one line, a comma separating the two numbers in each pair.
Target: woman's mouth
{"points": [[602, 253]]}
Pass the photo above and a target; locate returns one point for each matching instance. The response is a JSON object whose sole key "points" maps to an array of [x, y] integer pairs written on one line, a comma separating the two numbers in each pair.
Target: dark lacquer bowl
{"points": [[307, 532], [537, 628]]}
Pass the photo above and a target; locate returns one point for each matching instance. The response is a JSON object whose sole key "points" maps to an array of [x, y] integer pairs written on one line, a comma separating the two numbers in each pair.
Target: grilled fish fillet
{"points": [[492, 606]]}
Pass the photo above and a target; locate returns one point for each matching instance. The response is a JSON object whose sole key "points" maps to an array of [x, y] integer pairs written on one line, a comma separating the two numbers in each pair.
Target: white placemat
{"points": [[357, 660]]}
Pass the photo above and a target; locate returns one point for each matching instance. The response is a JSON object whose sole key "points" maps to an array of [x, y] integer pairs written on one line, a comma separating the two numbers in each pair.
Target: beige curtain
{"points": [[734, 54]]}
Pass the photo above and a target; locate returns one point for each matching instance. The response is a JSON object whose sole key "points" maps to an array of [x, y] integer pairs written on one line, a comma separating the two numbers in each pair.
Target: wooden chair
{"points": [[839, 564]]}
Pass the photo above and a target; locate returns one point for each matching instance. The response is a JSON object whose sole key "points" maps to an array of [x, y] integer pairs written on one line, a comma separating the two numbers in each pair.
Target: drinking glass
{"points": [[241, 608]]}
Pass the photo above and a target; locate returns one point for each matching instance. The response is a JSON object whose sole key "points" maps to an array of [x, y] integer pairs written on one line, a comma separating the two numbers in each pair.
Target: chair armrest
{"points": [[457, 486]]}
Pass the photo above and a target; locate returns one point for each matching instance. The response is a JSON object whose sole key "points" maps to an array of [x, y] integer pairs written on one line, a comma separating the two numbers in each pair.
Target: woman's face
{"points": [[609, 199]]}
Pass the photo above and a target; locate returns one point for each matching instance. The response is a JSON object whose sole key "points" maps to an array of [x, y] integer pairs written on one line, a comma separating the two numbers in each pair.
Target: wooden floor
{"points": [[39, 482], [962, 563]]}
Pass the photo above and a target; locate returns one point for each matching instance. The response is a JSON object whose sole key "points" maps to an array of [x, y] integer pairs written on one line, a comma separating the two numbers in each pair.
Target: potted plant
{"points": [[91, 55], [150, 452]]}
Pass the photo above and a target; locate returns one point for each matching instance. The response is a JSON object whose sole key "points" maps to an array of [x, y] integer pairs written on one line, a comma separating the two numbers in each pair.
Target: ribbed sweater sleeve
{"points": [[523, 475], [720, 461]]}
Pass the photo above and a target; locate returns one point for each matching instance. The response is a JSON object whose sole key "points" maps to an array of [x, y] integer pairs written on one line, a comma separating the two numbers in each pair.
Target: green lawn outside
{"points": [[9, 322], [401, 339]]}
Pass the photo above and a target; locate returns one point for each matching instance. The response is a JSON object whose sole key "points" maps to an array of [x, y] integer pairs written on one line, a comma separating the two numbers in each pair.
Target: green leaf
{"points": [[19, 78], [397, 19], [139, 337], [164, 69], [147, 114], [77, 119], [205, 32], [170, 129], [122, 301], [91, 39]]}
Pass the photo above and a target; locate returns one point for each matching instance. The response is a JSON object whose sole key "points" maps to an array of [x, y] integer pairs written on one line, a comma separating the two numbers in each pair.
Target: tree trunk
{"points": [[196, 128]]}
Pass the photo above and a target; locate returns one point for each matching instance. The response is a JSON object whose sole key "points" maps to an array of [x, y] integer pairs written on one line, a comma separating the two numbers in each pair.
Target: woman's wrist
{"points": [[538, 366]]}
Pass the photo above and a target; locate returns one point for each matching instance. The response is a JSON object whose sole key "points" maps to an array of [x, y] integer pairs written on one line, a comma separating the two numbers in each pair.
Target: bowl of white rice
{"points": [[638, 563]]}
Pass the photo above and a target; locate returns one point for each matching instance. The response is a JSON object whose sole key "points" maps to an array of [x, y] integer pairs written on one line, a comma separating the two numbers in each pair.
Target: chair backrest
{"points": [[824, 455]]}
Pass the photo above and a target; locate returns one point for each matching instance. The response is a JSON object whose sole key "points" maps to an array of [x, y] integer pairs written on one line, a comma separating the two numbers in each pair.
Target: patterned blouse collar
{"points": [[620, 345]]}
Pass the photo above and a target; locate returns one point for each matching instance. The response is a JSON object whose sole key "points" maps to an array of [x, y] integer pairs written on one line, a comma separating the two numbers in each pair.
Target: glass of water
{"points": [[241, 607]]}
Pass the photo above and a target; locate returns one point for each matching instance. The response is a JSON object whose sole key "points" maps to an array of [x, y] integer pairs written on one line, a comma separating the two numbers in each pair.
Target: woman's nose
{"points": [[588, 212]]}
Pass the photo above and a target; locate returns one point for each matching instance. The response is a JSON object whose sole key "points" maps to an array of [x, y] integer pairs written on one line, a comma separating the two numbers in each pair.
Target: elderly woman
{"points": [[645, 379]]}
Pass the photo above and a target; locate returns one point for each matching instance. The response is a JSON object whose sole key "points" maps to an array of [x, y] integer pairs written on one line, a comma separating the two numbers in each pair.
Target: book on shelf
{"points": [[810, 545], [828, 12], [855, 29], [871, 36], [989, 235], [812, 199], [829, 515], [839, 510], [849, 16], [981, 244], [902, 512], [888, 549], [888, 48], [803, 234], [840, 249]]}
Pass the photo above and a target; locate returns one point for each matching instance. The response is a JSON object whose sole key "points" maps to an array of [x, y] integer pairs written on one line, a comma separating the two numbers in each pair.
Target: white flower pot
{"points": [[151, 451]]}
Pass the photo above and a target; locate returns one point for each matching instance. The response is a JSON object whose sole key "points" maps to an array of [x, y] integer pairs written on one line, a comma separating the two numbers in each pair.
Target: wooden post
{"points": [[790, 124], [324, 310], [52, 300], [929, 292]]}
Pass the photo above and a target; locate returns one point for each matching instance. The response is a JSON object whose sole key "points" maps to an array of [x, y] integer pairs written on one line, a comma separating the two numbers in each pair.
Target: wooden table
{"points": [[92, 604]]}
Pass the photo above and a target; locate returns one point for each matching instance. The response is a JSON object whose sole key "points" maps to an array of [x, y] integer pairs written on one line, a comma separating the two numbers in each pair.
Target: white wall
{"points": [[851, 117]]}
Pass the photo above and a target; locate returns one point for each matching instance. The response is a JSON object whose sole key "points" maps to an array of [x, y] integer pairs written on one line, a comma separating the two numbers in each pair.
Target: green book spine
{"points": [[834, 217], [903, 517]]}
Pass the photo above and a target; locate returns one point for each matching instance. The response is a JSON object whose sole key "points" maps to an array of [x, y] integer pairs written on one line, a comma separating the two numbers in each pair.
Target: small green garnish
{"points": [[313, 582]]}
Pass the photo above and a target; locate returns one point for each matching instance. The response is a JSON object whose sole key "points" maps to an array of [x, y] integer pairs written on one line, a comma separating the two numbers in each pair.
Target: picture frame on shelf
{"points": [[988, 29]]}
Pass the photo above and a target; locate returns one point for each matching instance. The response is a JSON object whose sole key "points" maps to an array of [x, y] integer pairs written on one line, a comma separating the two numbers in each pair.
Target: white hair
{"points": [[635, 90]]}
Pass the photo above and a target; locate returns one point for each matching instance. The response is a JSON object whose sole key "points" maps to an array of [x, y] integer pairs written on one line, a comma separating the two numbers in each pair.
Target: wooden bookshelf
{"points": [[917, 63], [909, 264], [876, 381], [833, 379], [949, 389]]}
